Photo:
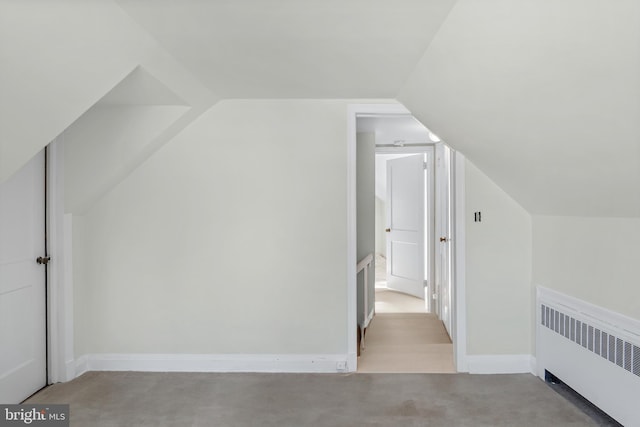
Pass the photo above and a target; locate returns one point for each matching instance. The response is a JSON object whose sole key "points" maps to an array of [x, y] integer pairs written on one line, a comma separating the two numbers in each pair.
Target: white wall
{"points": [[83, 302], [594, 259], [101, 145], [498, 269], [366, 211], [229, 239], [380, 226]]}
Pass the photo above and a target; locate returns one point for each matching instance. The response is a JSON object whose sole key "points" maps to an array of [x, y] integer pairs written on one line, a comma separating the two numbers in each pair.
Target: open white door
{"points": [[22, 284], [406, 192], [443, 264]]}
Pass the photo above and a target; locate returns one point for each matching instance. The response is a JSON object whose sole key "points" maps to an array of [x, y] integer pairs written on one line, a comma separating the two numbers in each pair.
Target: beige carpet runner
{"points": [[402, 337], [407, 342]]}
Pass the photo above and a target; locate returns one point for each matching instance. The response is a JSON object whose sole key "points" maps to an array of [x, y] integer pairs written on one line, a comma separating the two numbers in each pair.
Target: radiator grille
{"points": [[627, 356], [619, 352], [612, 349], [616, 350]]}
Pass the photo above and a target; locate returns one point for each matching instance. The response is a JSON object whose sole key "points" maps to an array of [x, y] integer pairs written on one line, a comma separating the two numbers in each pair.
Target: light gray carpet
{"points": [[204, 399]]}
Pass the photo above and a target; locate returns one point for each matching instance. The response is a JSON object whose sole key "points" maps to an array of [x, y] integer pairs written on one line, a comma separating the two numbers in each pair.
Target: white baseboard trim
{"points": [[70, 369], [352, 362], [534, 366], [82, 365], [325, 363], [501, 364]]}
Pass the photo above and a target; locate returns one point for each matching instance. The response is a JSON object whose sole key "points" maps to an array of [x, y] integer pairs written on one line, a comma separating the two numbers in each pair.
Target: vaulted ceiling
{"points": [[543, 96], [293, 48]]}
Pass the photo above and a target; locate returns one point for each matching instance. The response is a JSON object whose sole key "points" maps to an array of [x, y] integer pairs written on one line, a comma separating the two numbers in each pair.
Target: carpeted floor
{"points": [[390, 301], [132, 399], [406, 342], [403, 337]]}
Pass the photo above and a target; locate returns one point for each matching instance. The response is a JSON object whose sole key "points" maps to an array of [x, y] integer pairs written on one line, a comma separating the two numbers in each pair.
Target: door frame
{"points": [[60, 363], [458, 305], [443, 195]]}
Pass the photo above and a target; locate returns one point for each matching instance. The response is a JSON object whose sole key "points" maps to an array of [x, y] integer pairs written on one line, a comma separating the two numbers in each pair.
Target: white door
{"points": [[406, 189], [22, 284], [443, 235]]}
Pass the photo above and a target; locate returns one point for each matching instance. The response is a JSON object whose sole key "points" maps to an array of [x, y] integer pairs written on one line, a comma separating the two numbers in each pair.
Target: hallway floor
{"points": [[109, 399], [406, 342], [389, 301], [403, 337]]}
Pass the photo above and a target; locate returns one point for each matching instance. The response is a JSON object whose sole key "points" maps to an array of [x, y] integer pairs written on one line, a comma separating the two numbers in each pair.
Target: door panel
{"points": [[22, 284], [402, 263], [443, 235], [405, 217]]}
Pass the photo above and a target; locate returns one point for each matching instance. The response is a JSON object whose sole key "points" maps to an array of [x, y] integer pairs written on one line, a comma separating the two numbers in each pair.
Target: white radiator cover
{"points": [[593, 350]]}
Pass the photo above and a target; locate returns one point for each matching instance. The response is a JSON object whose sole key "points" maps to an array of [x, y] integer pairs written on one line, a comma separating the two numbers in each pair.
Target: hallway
{"points": [[403, 336], [407, 343]]}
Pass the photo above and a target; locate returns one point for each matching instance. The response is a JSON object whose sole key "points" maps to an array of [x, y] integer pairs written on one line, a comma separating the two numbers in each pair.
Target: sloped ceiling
{"points": [[141, 88], [49, 75], [58, 58], [543, 96], [293, 48], [115, 135], [394, 129]]}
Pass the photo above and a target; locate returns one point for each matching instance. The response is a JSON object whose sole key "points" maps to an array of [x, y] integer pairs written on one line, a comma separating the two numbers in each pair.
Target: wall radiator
{"points": [[594, 351]]}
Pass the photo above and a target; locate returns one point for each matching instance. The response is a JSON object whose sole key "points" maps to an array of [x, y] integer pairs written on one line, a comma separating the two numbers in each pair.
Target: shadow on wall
{"points": [[115, 135]]}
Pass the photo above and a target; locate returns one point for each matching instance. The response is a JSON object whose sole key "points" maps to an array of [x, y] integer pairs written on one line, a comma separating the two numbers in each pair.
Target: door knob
{"points": [[43, 260], [388, 230], [443, 239]]}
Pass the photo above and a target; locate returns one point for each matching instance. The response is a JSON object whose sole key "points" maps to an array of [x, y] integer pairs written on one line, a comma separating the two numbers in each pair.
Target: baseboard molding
{"points": [[325, 363], [70, 369], [501, 364], [352, 362], [534, 366], [82, 365]]}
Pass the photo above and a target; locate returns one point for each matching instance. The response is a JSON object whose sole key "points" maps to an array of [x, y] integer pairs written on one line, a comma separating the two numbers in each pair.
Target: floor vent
{"points": [[595, 352]]}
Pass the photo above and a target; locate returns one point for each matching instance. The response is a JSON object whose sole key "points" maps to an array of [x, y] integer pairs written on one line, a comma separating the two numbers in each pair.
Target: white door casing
{"points": [[22, 283], [406, 193], [459, 303], [443, 285]]}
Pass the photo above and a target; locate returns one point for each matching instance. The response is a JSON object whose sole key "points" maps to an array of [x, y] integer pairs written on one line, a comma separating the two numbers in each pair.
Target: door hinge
{"points": [[424, 164]]}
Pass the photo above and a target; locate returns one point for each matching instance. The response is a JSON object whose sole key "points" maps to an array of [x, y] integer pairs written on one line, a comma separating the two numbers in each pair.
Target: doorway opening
{"points": [[405, 311], [404, 226]]}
